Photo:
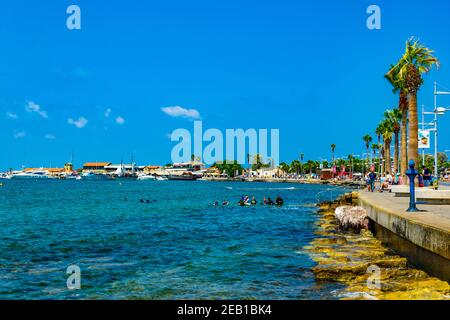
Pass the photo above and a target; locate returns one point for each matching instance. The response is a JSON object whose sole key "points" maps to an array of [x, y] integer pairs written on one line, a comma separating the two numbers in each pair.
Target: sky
{"points": [[137, 70]]}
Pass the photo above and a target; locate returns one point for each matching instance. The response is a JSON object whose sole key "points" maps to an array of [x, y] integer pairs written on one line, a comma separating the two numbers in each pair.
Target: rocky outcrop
{"points": [[352, 218]]}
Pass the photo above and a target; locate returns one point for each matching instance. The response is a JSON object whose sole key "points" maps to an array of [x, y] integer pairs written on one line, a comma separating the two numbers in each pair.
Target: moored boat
{"points": [[95, 176], [31, 175], [146, 177], [183, 176]]}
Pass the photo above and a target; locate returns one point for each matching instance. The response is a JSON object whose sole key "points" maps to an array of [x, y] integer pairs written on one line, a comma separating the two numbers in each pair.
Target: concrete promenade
{"points": [[428, 229]]}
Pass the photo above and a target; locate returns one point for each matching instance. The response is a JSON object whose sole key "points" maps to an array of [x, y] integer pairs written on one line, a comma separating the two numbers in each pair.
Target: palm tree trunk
{"points": [[387, 156], [413, 147], [396, 153], [403, 146]]}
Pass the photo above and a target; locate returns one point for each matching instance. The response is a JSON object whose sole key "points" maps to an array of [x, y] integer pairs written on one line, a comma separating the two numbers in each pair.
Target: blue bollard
{"points": [[412, 174]]}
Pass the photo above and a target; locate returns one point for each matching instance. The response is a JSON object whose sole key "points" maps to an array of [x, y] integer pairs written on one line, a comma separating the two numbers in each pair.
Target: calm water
{"points": [[177, 246]]}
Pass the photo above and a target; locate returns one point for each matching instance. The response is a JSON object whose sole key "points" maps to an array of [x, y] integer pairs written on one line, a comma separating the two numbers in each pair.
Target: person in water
{"points": [[279, 201], [225, 203], [265, 201], [270, 202], [253, 202]]}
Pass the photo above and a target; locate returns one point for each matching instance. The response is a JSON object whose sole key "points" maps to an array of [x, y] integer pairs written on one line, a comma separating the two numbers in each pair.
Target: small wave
{"points": [[287, 188]]}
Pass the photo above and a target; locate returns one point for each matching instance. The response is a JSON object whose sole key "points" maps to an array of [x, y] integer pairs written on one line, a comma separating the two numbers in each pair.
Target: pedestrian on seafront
{"points": [[372, 179]]}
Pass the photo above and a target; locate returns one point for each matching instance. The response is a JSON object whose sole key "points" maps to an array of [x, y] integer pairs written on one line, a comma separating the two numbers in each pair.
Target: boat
{"points": [[5, 176], [184, 176], [122, 174], [146, 177], [95, 176], [161, 178], [71, 177], [35, 174]]}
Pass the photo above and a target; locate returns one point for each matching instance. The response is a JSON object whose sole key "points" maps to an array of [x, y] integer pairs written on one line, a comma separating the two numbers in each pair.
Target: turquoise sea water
{"points": [[178, 246]]}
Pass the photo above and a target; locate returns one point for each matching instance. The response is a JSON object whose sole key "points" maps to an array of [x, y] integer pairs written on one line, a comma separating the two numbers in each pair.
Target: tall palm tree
{"points": [[395, 116], [378, 132], [333, 147], [368, 140], [375, 148], [386, 128], [416, 61], [398, 84]]}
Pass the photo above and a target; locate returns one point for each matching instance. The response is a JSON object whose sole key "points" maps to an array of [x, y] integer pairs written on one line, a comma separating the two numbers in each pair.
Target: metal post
{"points": [[436, 173], [423, 128], [412, 174]]}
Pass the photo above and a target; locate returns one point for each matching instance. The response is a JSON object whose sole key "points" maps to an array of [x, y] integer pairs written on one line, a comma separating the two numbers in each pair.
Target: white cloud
{"points": [[34, 107], [11, 115], [19, 134], [120, 120], [80, 123], [107, 112], [178, 111], [50, 136]]}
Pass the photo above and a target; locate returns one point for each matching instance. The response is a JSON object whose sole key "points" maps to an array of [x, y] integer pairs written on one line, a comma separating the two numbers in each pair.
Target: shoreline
{"points": [[345, 257]]}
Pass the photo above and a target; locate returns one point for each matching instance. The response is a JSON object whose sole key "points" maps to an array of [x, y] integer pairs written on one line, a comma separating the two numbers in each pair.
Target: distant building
{"points": [[95, 166]]}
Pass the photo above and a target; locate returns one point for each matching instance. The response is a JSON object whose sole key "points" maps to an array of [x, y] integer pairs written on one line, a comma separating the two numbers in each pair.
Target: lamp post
{"points": [[437, 110]]}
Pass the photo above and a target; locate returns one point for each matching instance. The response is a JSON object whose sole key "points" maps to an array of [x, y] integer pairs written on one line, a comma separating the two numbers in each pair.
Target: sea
{"points": [[158, 240]]}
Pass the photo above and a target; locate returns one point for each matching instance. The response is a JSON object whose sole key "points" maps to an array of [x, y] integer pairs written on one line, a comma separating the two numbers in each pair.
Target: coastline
{"points": [[345, 257]]}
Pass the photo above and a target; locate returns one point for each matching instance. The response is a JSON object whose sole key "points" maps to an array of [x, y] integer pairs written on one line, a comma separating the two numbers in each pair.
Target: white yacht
{"points": [[95, 176], [5, 176], [146, 177], [35, 174]]}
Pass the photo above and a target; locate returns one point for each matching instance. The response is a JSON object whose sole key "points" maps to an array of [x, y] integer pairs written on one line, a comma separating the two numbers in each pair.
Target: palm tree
{"points": [[284, 166], [368, 140], [395, 116], [375, 148], [387, 131], [333, 147], [295, 166], [416, 61], [398, 85], [378, 132]]}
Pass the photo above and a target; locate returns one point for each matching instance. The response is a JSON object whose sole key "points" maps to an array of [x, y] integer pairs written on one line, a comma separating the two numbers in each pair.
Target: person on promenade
{"points": [[389, 179], [421, 180], [426, 176], [372, 178], [397, 178], [367, 181]]}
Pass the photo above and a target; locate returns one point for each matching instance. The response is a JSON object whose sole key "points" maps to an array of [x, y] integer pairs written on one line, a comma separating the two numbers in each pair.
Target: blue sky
{"points": [[311, 69]]}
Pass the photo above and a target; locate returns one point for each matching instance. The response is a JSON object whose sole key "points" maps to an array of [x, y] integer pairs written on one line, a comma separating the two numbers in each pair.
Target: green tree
{"points": [[394, 117], [397, 81], [416, 61], [333, 147]]}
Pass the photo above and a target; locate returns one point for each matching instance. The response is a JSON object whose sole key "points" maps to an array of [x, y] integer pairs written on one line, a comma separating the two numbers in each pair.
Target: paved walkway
{"points": [[436, 216]]}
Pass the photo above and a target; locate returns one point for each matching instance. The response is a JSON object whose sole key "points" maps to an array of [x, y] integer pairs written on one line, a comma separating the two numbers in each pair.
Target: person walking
{"points": [[372, 179]]}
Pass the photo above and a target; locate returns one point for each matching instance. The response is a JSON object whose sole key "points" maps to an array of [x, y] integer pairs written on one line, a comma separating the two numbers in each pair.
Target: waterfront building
{"points": [[95, 167]]}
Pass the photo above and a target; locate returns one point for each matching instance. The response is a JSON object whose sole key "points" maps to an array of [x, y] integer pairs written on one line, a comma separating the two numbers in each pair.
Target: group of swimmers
{"points": [[245, 201]]}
